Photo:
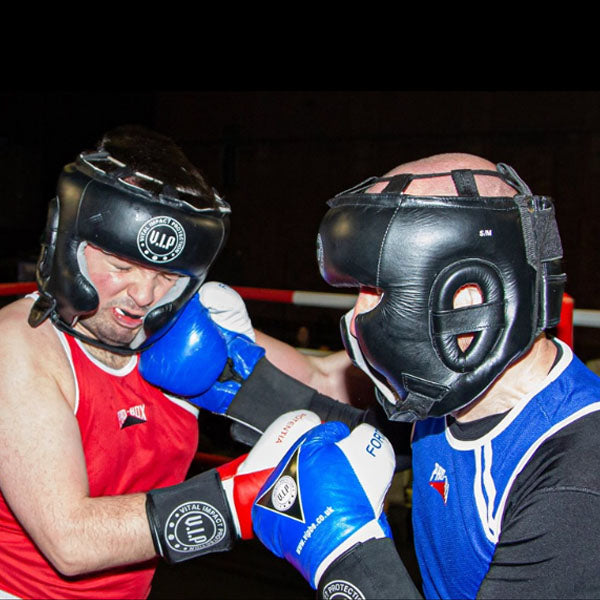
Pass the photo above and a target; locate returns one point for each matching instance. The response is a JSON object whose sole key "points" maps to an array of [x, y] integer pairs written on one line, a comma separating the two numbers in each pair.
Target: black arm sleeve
{"points": [[269, 392], [369, 570]]}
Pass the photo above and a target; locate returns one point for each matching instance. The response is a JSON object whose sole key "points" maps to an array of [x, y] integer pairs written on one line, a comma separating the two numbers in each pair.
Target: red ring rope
{"points": [[564, 329]]}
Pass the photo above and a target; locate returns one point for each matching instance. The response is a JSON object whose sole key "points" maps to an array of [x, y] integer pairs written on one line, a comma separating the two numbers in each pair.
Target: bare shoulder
{"points": [[30, 354], [17, 334]]}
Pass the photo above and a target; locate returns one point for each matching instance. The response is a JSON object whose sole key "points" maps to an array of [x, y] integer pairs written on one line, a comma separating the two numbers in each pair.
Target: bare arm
{"points": [[333, 375], [42, 467]]}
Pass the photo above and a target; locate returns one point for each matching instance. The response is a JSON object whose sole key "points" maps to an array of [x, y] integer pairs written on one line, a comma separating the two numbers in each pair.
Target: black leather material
{"points": [[420, 251], [115, 217]]}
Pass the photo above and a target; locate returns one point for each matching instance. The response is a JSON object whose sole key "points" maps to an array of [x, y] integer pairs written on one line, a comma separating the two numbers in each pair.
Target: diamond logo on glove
{"points": [[283, 496]]}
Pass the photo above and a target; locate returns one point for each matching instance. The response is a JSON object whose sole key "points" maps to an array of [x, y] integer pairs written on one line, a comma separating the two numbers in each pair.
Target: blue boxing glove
{"points": [[189, 357], [199, 359], [325, 497], [228, 311], [209, 358]]}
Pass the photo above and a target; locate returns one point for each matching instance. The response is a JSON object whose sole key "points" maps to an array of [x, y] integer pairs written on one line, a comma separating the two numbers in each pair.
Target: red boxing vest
{"points": [[135, 439]]}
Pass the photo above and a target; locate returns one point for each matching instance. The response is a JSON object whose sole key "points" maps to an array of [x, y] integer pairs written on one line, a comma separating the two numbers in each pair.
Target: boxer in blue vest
{"points": [[459, 269]]}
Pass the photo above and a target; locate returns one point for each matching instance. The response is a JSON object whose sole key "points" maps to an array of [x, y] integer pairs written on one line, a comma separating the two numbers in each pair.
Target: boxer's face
{"points": [[127, 291], [467, 295]]}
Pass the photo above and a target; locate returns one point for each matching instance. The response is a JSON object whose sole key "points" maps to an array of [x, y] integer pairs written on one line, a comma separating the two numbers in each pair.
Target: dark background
{"points": [[277, 156]]}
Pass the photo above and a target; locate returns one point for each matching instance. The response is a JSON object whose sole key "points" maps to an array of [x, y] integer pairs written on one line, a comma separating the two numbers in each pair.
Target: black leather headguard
{"points": [[146, 222], [420, 250]]}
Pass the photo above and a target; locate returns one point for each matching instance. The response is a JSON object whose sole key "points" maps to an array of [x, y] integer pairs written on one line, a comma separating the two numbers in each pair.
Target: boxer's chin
{"points": [[105, 329]]}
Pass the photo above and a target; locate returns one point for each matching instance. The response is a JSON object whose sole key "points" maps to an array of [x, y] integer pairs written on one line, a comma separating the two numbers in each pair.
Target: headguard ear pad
{"points": [[152, 230], [420, 251]]}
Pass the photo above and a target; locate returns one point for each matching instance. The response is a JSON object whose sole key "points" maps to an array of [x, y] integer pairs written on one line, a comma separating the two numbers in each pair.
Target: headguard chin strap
{"points": [[419, 251], [103, 202]]}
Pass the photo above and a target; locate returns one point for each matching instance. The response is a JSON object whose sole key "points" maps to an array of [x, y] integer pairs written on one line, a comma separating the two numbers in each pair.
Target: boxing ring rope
{"points": [[570, 316]]}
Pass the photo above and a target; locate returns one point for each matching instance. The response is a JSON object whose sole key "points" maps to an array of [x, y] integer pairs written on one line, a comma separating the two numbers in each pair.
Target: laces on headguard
{"points": [[104, 167]]}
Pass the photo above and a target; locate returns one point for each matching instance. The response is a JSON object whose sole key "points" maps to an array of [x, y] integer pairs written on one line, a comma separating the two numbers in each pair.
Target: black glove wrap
{"points": [[190, 519]]}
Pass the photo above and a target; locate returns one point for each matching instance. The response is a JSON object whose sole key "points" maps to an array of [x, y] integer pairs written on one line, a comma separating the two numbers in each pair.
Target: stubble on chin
{"points": [[100, 327]]}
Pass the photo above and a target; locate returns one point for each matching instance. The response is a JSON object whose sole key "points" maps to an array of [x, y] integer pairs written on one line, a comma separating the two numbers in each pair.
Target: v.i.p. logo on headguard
{"points": [[161, 239]]}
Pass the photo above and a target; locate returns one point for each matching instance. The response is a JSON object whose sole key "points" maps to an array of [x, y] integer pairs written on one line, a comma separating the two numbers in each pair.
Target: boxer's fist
{"points": [[242, 357], [228, 311], [208, 512], [198, 358], [325, 496], [190, 357]]}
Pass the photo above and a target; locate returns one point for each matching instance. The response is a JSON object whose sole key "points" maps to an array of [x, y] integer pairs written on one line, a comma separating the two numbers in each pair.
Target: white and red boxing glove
{"points": [[210, 511], [242, 478]]}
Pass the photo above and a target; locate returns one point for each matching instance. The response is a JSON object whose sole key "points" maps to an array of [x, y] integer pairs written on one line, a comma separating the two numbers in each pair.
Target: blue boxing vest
{"points": [[460, 488]]}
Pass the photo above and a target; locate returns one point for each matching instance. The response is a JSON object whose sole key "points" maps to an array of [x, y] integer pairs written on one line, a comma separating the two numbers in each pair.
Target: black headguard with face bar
{"points": [[419, 251], [103, 202]]}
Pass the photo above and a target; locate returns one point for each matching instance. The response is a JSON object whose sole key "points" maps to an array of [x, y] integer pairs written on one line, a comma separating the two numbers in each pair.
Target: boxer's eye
{"points": [[120, 266], [170, 277]]}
